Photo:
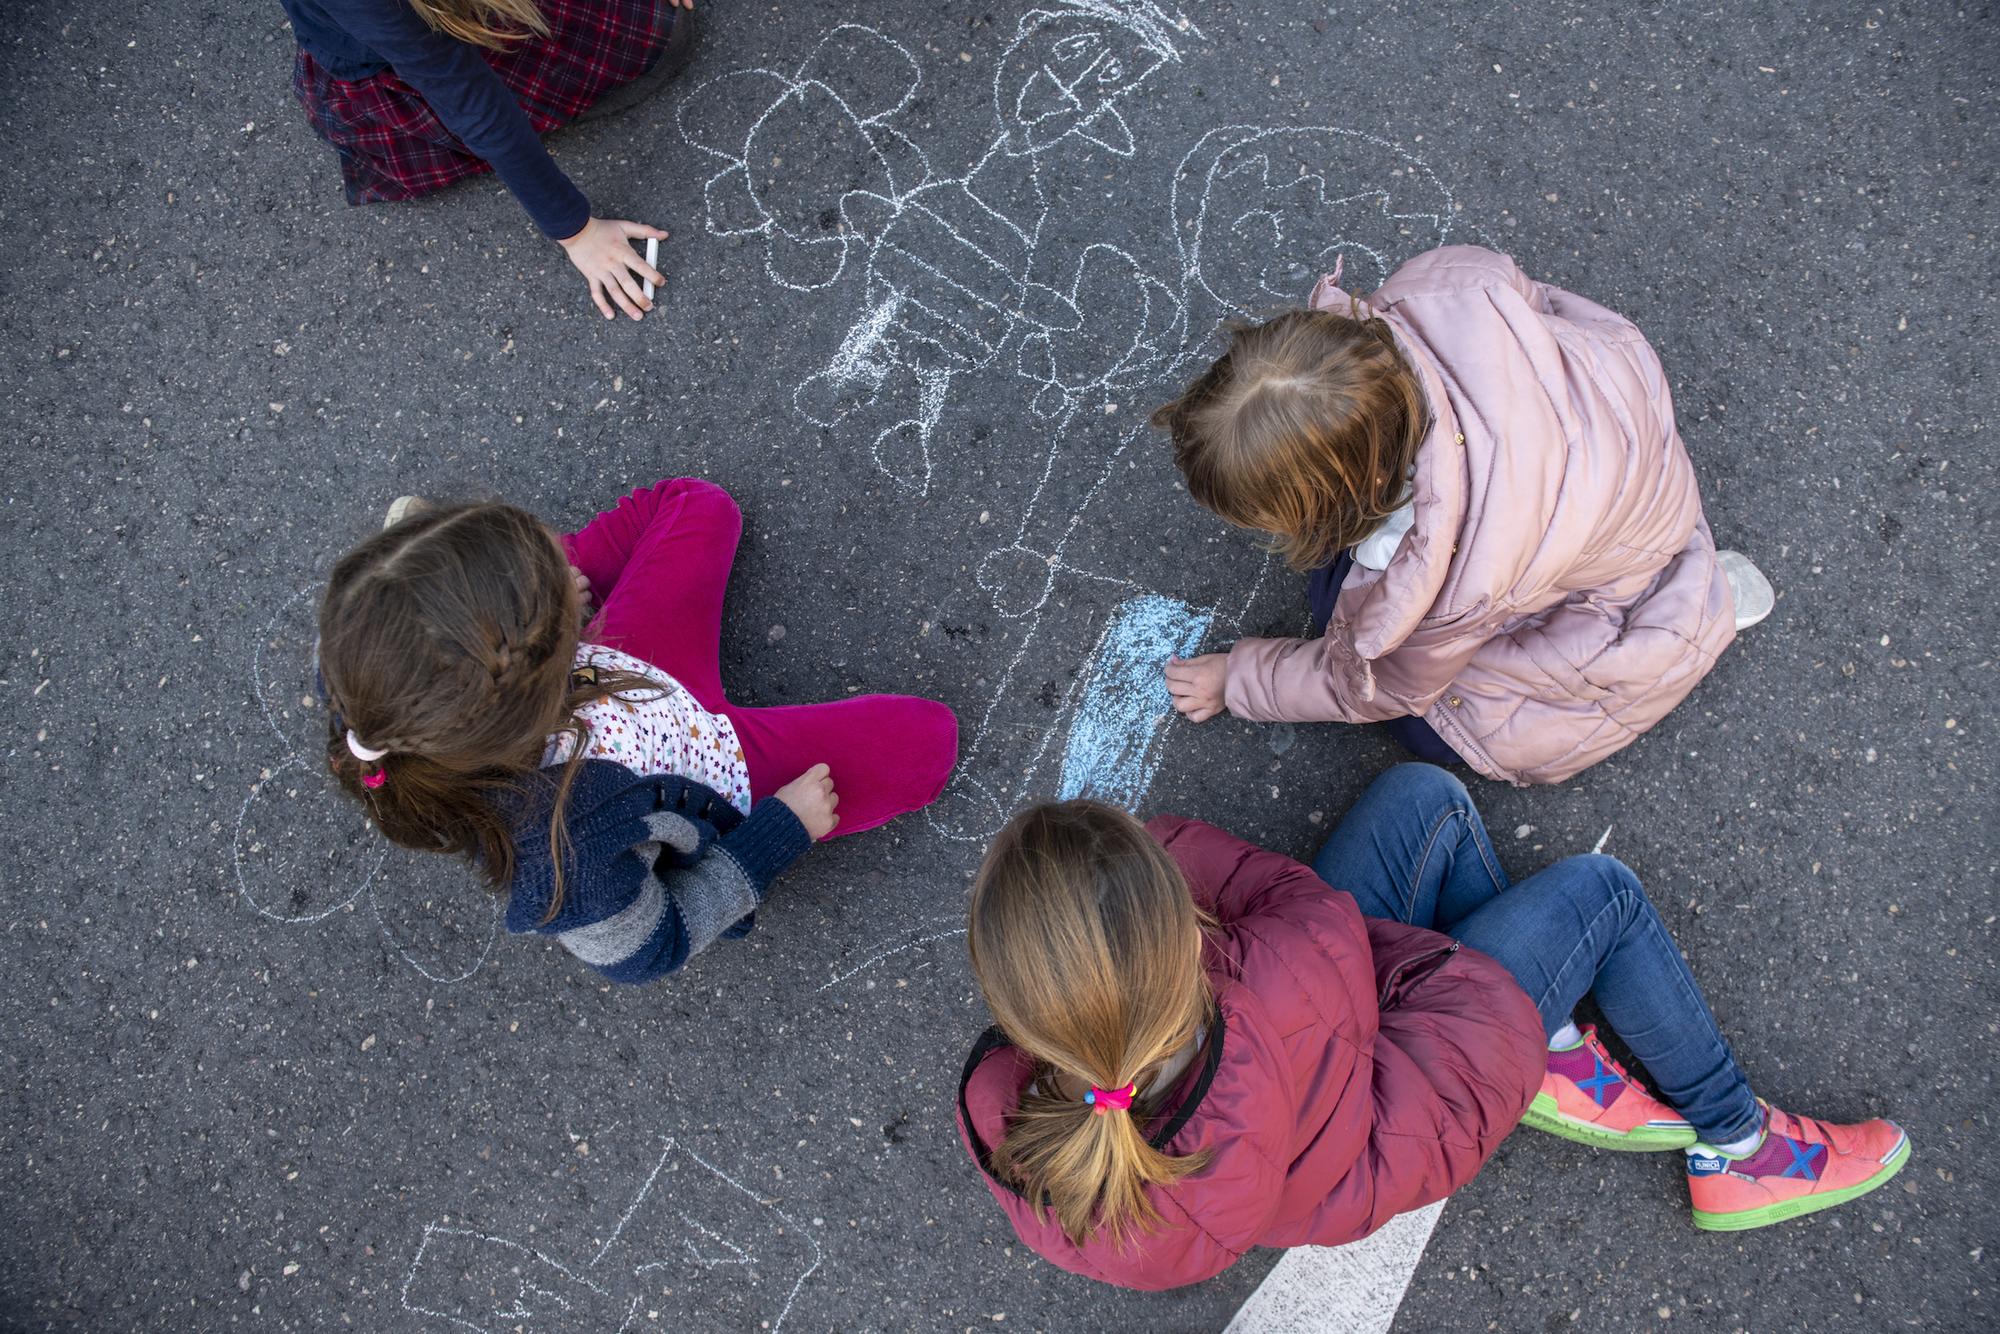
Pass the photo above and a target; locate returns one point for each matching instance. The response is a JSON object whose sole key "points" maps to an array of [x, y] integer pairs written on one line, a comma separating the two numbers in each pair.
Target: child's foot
{"points": [[1748, 588], [1801, 1167], [402, 507], [1587, 1097]]}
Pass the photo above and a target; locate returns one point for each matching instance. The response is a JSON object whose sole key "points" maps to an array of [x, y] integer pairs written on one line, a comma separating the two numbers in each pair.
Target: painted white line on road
{"points": [[1352, 1289]]}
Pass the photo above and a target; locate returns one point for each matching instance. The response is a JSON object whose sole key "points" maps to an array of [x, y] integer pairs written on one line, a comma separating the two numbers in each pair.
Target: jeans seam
{"points": [[1430, 843], [1691, 996], [1423, 860], [1542, 1003]]}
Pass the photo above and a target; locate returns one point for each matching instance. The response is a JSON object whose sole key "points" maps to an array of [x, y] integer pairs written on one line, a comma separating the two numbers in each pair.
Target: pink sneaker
{"points": [[1587, 1097], [1801, 1167]]}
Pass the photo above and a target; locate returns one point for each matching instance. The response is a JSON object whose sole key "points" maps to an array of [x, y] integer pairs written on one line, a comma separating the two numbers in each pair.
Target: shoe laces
{"points": [[1597, 1049]]}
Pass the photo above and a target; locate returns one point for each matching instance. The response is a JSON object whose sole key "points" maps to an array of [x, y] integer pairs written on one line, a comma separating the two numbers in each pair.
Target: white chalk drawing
{"points": [[939, 928], [816, 164], [302, 852], [664, 1251], [957, 272]]}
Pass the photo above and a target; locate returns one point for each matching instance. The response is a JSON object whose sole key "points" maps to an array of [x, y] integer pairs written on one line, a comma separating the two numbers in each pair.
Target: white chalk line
{"points": [[874, 959], [439, 1229], [740, 1255], [818, 1254], [368, 887]]}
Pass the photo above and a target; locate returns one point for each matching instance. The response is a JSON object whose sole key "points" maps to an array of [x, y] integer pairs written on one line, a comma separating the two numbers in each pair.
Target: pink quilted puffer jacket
{"points": [[1559, 592]]}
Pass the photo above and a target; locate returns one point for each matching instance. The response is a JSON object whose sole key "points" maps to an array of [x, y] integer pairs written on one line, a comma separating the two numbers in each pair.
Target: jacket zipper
{"points": [[1408, 966]]}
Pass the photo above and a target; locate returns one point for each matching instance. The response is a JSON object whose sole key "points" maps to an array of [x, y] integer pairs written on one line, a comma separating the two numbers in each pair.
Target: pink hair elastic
{"points": [[375, 777], [1103, 1100]]}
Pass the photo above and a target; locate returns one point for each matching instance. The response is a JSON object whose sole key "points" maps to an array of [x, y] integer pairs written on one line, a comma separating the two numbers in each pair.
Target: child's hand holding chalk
{"points": [[603, 254]]}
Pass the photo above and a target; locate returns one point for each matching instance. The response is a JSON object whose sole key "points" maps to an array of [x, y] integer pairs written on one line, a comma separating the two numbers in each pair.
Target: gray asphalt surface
{"points": [[260, 1075]]}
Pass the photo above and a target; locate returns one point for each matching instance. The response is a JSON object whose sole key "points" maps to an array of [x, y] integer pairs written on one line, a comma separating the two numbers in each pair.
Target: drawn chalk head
{"points": [[1261, 213], [1069, 65], [796, 150]]}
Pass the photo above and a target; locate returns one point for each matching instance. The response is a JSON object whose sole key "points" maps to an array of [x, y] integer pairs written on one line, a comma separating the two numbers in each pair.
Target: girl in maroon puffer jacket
{"points": [[1202, 1048]]}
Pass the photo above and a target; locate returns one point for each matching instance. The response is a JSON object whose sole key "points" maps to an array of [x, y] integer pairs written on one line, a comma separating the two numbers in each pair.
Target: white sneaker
{"points": [[402, 507], [1748, 588]]}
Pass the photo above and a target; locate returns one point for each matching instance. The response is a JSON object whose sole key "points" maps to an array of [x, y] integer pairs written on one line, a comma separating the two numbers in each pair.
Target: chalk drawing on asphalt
{"points": [[301, 851], [945, 272], [815, 163], [692, 1238]]}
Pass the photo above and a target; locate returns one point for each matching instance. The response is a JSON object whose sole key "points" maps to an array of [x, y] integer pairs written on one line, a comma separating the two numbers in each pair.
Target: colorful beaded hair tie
{"points": [[1103, 1100]]}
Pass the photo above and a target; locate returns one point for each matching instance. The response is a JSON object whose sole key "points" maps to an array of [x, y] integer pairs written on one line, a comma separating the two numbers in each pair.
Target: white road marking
{"points": [[1352, 1289]]}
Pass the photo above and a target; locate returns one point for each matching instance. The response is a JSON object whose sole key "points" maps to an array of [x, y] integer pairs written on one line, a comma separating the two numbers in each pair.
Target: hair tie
{"points": [[374, 778], [366, 754], [1103, 1100]]}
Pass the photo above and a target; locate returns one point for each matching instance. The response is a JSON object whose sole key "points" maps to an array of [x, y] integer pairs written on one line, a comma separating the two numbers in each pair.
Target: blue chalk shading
{"points": [[1115, 732]]}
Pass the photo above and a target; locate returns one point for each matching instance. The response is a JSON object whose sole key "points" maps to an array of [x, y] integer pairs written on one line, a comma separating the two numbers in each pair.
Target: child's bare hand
{"points": [[1196, 685], [603, 254], [812, 799]]}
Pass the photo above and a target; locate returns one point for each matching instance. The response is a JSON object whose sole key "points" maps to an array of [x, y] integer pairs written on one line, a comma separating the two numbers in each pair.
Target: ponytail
{"points": [[1087, 948], [1089, 1169]]}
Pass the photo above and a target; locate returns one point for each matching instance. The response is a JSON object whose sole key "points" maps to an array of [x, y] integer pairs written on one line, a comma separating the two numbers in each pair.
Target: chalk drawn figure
{"points": [[302, 852], [692, 1239], [959, 274], [953, 274]]}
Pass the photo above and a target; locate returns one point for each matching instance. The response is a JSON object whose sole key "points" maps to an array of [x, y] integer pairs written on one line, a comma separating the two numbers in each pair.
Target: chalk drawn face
{"points": [[1261, 214], [1062, 76]]}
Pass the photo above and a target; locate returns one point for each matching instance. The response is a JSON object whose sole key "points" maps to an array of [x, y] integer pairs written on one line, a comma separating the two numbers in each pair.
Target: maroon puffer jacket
{"points": [[1359, 1069]]}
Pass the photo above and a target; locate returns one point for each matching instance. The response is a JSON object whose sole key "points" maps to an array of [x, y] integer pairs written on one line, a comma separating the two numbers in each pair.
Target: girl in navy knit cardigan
{"points": [[584, 757]]}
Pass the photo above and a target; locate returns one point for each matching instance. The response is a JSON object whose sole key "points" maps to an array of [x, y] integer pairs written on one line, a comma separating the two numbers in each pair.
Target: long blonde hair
{"points": [[1088, 950], [1304, 429], [493, 24]]}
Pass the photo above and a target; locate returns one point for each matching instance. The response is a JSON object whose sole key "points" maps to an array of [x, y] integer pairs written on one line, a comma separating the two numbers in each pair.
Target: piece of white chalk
{"points": [[652, 261]]}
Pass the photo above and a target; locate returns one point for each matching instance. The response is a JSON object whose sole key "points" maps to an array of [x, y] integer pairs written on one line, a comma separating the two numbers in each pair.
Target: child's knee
{"points": [[1425, 785], [1607, 875], [713, 504]]}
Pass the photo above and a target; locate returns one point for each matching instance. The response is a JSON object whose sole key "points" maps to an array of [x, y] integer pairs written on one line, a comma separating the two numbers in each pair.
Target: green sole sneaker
{"points": [[1543, 1116], [1745, 1219]]}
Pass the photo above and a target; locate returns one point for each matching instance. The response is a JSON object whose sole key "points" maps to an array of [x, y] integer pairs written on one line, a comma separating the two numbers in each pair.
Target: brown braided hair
{"points": [[449, 640], [1304, 429]]}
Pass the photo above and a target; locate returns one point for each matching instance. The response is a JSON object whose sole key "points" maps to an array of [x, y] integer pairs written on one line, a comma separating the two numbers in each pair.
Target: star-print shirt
{"points": [[657, 732]]}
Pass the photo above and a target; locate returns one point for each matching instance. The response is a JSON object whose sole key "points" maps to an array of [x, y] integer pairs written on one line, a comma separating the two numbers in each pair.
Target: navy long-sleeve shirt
{"points": [[356, 38]]}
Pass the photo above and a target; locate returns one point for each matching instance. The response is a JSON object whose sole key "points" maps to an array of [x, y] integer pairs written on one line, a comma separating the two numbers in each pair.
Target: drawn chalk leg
{"points": [[1352, 1289], [1114, 736]]}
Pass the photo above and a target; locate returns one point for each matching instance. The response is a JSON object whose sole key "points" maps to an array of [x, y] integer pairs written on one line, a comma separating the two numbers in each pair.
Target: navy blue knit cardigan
{"points": [[658, 867]]}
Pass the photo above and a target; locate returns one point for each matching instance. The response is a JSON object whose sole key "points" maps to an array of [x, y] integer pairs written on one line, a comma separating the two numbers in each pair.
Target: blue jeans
{"points": [[1414, 849]]}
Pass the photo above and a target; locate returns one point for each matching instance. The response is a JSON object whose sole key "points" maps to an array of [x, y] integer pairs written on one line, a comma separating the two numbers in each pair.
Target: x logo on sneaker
{"points": [[1600, 1080], [1802, 1159]]}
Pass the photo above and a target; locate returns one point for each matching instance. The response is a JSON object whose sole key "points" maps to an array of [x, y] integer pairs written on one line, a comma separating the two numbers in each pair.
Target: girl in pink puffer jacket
{"points": [[1508, 554]]}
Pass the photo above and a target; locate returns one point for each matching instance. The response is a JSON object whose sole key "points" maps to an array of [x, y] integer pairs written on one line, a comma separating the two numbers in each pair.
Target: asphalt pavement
{"points": [[260, 1073]]}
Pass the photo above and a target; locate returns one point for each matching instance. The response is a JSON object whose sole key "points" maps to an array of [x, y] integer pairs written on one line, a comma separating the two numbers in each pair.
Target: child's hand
{"points": [[1197, 683], [603, 254], [812, 799], [582, 592]]}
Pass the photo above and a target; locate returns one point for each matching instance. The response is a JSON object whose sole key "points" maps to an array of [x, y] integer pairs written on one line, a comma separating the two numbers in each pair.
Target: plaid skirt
{"points": [[393, 146]]}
